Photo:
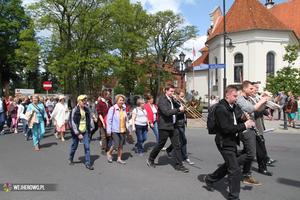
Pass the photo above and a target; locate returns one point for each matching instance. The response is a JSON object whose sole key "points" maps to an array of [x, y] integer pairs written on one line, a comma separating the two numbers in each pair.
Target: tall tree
{"points": [[13, 20], [168, 36], [78, 45], [131, 35], [28, 55]]}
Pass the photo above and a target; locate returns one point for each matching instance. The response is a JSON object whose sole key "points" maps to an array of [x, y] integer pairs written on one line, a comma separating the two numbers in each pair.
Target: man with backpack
{"points": [[229, 122]]}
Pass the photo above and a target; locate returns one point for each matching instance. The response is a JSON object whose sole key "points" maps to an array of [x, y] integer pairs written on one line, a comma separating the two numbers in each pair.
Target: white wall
{"points": [[254, 45], [200, 85]]}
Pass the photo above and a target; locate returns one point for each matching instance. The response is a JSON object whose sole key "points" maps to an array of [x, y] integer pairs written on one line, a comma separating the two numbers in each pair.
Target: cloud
{"points": [[198, 44], [154, 6]]}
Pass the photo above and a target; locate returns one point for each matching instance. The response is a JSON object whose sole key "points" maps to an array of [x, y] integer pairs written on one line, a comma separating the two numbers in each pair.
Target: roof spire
{"points": [[269, 4]]}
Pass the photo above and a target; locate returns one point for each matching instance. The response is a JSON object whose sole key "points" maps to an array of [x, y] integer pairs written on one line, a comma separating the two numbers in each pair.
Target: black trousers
{"points": [[230, 167], [249, 151], [95, 129], [261, 153], [163, 137]]}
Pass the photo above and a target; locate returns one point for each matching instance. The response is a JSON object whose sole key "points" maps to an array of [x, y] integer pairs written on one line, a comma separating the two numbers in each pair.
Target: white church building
{"points": [[258, 32]]}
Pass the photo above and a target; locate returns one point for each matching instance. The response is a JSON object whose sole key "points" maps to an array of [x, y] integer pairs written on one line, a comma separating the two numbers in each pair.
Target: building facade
{"points": [[259, 36]]}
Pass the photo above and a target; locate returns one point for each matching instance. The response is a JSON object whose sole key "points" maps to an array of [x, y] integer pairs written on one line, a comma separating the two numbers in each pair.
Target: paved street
{"points": [[20, 164]]}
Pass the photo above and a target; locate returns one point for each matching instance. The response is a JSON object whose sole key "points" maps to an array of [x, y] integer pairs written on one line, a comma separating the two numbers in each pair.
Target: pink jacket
{"points": [[150, 115]]}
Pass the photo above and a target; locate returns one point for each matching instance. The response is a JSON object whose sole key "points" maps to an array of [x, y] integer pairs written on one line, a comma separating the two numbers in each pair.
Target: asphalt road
{"points": [[19, 163]]}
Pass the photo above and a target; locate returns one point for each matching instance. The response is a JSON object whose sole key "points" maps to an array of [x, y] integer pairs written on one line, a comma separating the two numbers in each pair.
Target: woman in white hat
{"points": [[60, 117]]}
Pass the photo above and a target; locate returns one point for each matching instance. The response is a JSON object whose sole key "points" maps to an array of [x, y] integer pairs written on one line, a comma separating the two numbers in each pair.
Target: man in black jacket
{"points": [[181, 122], [167, 112], [229, 124]]}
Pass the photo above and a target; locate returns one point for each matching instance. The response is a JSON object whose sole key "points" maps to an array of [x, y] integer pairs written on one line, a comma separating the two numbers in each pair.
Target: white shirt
{"points": [[172, 106], [105, 101], [154, 112], [1, 106]]}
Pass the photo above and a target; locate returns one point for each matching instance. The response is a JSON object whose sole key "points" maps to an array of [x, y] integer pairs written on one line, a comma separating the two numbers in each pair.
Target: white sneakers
{"points": [[188, 161]]}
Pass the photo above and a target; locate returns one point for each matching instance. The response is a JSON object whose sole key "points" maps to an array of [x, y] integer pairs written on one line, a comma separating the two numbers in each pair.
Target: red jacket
{"points": [[7, 102], [102, 109], [150, 115]]}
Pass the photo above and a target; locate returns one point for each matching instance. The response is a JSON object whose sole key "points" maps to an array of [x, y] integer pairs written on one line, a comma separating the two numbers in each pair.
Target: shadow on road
{"points": [[220, 186], [164, 160], [93, 158], [47, 145], [149, 146], [290, 182]]}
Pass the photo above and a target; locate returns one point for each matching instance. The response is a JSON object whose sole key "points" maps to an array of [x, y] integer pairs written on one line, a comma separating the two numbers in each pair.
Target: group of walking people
{"points": [[240, 119]]}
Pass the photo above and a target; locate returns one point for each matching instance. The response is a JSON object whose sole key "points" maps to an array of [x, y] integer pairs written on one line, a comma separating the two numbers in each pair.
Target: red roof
{"points": [[202, 59], [248, 14], [288, 12], [204, 49]]}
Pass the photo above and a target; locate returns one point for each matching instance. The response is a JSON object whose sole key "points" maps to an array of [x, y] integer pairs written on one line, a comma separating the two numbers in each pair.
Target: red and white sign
{"points": [[47, 85]]}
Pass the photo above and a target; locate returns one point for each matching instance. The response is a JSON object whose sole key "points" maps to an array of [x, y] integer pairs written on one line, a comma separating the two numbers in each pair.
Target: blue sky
{"points": [[196, 12]]}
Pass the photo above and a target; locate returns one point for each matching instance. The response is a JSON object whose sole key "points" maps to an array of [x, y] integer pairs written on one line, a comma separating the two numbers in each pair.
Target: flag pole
{"points": [[194, 52]]}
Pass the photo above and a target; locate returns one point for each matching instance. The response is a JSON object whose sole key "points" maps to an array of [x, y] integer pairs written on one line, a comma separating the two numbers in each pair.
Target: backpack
{"points": [[212, 120], [105, 118]]}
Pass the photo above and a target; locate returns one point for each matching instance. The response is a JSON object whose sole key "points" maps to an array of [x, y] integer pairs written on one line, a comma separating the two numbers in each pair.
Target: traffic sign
{"points": [[47, 85], [217, 66]]}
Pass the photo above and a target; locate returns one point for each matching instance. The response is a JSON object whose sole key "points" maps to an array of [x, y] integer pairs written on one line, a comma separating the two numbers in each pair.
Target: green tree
{"points": [[29, 57], [78, 45], [119, 90], [141, 87], [168, 35], [131, 35], [13, 20], [287, 78]]}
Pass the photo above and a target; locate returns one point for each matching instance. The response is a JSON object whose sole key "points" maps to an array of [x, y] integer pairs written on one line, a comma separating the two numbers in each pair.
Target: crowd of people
{"points": [[114, 122], [239, 119]]}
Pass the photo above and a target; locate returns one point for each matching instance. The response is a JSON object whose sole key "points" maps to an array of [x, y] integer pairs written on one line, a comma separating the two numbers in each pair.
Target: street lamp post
{"points": [[179, 68], [230, 48]]}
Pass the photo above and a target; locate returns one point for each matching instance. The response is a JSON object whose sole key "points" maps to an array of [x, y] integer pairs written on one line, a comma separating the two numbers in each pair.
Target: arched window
{"points": [[270, 64], [238, 68]]}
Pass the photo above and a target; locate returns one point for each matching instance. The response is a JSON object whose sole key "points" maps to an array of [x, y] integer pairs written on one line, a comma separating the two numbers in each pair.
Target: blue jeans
{"points": [[38, 130], [2, 120], [155, 130], [141, 134], [86, 146], [50, 121], [25, 127], [183, 142]]}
